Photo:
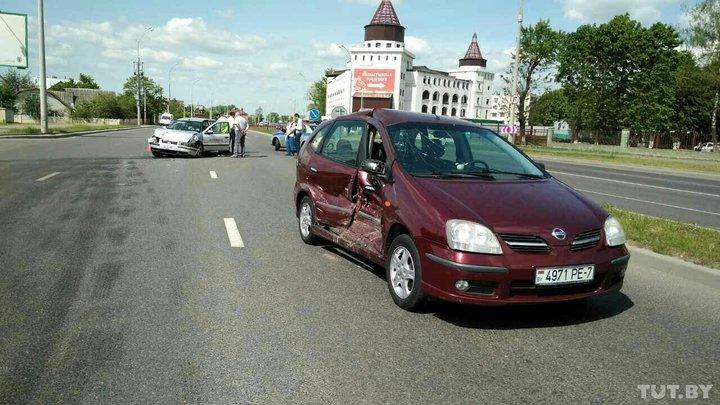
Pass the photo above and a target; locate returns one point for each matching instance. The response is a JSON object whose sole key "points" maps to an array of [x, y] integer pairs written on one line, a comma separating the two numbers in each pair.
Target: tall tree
{"points": [[156, 103], [615, 75], [694, 96], [84, 82], [10, 83], [318, 92], [549, 108], [704, 33], [539, 49]]}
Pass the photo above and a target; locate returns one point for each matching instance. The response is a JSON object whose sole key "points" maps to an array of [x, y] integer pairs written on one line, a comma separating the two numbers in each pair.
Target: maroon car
{"points": [[453, 211]]}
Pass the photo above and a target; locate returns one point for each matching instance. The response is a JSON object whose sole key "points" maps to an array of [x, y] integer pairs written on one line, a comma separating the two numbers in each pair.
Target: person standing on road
{"points": [[290, 138], [224, 126], [231, 121], [242, 127], [299, 129]]}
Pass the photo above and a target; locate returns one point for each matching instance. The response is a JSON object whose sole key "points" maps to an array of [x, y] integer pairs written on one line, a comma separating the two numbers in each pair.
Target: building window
{"points": [[387, 57], [368, 45], [487, 102], [444, 111], [434, 110], [436, 97], [445, 100], [434, 81], [363, 57], [454, 112], [395, 58], [388, 45], [426, 95], [370, 58], [462, 113], [455, 99], [424, 109], [397, 46], [377, 45], [355, 57]]}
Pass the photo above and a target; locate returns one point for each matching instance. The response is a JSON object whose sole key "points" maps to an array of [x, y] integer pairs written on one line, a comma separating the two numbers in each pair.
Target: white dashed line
{"points": [[648, 202], [636, 184], [213, 175], [233, 233], [48, 176]]}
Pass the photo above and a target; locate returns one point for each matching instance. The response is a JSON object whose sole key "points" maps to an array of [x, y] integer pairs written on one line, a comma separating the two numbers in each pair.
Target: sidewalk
{"points": [[646, 260]]}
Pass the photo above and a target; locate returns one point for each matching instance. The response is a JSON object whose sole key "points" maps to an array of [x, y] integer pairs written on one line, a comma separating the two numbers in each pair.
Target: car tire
{"points": [[201, 150], [156, 154], [306, 218], [404, 274], [276, 144]]}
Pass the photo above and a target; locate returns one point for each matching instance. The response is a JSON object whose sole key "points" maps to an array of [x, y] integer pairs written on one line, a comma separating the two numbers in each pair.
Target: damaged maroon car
{"points": [[453, 211]]}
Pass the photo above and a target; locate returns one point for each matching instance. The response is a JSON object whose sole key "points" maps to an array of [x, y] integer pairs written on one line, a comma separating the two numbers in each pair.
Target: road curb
{"points": [[633, 168], [72, 134], [677, 267]]}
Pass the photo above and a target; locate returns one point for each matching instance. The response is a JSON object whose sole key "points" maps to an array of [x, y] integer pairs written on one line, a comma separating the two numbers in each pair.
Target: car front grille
{"points": [[525, 243], [526, 287], [585, 240]]}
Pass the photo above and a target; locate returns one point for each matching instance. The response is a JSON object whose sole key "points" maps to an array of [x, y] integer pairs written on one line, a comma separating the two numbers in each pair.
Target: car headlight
{"points": [[614, 233], [192, 141], [471, 237]]}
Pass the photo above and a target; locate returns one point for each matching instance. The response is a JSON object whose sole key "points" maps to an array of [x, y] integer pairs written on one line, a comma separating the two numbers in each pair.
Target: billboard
{"points": [[13, 40], [374, 80]]}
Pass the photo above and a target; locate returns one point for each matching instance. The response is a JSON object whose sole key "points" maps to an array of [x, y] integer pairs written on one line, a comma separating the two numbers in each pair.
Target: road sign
{"points": [[509, 129], [314, 114], [337, 112], [13, 40]]}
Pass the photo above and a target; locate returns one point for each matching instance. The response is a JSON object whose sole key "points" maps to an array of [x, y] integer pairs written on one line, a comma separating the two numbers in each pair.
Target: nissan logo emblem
{"points": [[558, 233]]}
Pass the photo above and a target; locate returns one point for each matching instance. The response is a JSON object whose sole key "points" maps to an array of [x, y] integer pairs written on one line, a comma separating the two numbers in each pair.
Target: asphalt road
{"points": [[691, 198], [118, 284]]}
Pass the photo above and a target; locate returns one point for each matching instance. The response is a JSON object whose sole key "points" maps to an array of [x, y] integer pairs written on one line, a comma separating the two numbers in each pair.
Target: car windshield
{"points": [[194, 126], [458, 151]]}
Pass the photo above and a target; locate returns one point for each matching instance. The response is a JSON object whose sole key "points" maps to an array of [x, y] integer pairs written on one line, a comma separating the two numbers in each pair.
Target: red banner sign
{"points": [[374, 80]]}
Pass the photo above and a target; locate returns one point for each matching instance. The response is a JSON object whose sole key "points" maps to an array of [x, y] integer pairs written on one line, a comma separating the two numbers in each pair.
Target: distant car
{"points": [[190, 137], [278, 140], [165, 119], [706, 147]]}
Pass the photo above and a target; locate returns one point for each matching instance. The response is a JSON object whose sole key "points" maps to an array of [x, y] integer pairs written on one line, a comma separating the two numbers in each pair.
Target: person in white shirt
{"points": [[242, 126], [299, 129], [290, 138]]}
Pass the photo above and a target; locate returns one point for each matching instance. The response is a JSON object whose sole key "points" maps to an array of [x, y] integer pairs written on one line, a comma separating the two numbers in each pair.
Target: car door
{"points": [[217, 136], [332, 171]]}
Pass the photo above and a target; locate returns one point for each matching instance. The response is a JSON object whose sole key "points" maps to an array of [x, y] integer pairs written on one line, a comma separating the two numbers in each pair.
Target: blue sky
{"points": [[265, 52]]}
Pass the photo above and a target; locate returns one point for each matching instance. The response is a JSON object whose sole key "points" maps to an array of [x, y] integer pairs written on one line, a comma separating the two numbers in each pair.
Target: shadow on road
{"points": [[508, 317]]}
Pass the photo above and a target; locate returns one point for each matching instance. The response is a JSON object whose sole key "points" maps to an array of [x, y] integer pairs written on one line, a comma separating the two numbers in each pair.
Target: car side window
{"points": [[343, 142], [318, 138]]}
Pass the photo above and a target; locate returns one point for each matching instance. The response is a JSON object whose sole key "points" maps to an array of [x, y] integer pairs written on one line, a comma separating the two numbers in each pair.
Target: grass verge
{"points": [[264, 130], [688, 242], [19, 129], [700, 166]]}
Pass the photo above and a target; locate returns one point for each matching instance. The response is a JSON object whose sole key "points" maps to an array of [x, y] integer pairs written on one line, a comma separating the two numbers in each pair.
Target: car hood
{"points": [[174, 135], [533, 207]]}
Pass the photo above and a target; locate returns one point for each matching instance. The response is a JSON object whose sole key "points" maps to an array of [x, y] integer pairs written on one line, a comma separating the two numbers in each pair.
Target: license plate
{"points": [[564, 275], [170, 146]]}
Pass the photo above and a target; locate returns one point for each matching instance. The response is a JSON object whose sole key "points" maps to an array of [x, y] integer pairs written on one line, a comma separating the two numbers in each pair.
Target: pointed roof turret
{"points": [[385, 24], [385, 14], [473, 56]]}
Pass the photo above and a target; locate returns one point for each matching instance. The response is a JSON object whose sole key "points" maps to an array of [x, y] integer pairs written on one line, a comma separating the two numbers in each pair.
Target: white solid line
{"points": [[637, 184], [233, 233], [48, 176], [213, 175], [649, 202]]}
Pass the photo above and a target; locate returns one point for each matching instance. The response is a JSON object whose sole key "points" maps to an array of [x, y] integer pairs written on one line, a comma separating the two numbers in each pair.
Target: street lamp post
{"points": [[192, 105], [41, 68], [170, 84], [139, 71], [516, 68]]}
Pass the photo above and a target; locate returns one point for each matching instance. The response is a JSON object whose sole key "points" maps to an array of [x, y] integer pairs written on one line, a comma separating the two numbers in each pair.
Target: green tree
{"points": [[318, 92], [549, 108], [84, 82], [615, 75], [273, 117], [10, 83], [704, 33], [539, 49], [104, 105], [694, 97], [30, 105], [156, 103]]}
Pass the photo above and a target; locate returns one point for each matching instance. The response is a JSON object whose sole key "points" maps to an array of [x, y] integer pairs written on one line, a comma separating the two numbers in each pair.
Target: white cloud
{"points": [[201, 62], [587, 11], [416, 45], [331, 50]]}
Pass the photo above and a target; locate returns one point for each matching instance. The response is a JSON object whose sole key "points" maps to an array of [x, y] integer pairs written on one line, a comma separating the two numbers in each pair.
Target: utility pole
{"points": [[139, 71], [516, 68], [144, 105], [41, 65]]}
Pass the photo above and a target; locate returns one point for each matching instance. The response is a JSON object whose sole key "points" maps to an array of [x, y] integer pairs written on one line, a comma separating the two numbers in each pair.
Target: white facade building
{"points": [[381, 74]]}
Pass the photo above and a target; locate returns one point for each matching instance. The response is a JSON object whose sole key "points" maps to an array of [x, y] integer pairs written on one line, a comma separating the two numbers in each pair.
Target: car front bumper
{"points": [[171, 149], [509, 278]]}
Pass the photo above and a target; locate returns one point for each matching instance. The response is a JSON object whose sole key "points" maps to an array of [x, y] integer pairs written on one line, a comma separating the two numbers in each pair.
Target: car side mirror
{"points": [[372, 166], [209, 132]]}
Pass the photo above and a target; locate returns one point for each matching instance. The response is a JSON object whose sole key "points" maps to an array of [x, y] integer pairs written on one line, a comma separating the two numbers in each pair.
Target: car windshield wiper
{"points": [[526, 175], [456, 174]]}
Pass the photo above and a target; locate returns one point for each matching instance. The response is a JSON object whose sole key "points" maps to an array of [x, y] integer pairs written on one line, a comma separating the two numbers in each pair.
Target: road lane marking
{"points": [[233, 233], [213, 175], [649, 202], [48, 176], [637, 184]]}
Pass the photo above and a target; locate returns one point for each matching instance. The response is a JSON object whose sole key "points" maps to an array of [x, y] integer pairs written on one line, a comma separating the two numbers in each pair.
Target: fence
{"points": [[26, 119]]}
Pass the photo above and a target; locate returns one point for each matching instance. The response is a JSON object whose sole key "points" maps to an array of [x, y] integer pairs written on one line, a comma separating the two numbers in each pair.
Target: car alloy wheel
{"points": [[305, 219], [402, 272]]}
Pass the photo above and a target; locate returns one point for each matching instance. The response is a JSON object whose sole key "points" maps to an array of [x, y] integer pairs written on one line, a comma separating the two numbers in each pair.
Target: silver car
{"points": [[190, 137]]}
